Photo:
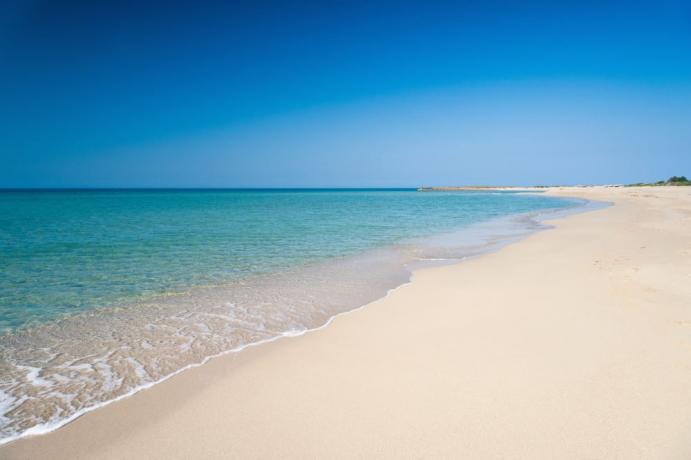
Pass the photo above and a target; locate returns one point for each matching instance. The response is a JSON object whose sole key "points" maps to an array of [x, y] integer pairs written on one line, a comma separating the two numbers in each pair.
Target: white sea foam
{"points": [[33, 376]]}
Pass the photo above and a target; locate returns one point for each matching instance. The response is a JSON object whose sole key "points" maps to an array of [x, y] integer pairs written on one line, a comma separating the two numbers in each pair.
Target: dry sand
{"points": [[573, 343]]}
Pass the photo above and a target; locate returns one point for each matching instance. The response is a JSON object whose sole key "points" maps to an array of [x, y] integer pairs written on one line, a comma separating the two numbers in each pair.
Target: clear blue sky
{"points": [[231, 94]]}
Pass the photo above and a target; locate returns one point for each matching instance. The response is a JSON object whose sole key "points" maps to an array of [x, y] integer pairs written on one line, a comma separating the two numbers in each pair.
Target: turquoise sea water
{"points": [[105, 292], [66, 251]]}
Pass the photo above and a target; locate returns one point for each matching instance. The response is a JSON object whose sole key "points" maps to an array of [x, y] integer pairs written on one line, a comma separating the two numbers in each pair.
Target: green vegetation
{"points": [[674, 180]]}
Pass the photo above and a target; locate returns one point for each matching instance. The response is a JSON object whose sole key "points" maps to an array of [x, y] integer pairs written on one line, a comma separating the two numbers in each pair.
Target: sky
{"points": [[342, 94]]}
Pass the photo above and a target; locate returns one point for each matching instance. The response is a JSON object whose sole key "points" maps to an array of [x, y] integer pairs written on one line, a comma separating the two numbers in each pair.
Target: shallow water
{"points": [[106, 292]]}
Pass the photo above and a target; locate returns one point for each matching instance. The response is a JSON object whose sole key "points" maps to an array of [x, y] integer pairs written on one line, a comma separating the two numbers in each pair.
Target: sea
{"points": [[107, 292]]}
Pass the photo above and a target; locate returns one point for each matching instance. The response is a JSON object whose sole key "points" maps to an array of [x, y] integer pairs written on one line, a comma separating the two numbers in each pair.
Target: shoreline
{"points": [[478, 239], [154, 408]]}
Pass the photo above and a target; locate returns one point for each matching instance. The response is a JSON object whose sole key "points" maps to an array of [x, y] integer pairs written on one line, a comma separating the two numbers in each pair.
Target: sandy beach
{"points": [[573, 343]]}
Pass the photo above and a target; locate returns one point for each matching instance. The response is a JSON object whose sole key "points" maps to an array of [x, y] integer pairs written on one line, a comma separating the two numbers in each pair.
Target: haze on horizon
{"points": [[272, 94]]}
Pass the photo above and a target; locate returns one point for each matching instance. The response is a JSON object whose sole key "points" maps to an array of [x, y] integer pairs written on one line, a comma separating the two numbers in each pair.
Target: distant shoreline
{"points": [[478, 188]]}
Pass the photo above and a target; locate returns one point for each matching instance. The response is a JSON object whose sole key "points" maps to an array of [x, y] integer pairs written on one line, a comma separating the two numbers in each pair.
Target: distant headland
{"points": [[672, 181]]}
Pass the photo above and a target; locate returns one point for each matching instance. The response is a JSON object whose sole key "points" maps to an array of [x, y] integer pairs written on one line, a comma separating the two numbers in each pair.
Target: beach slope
{"points": [[573, 343]]}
